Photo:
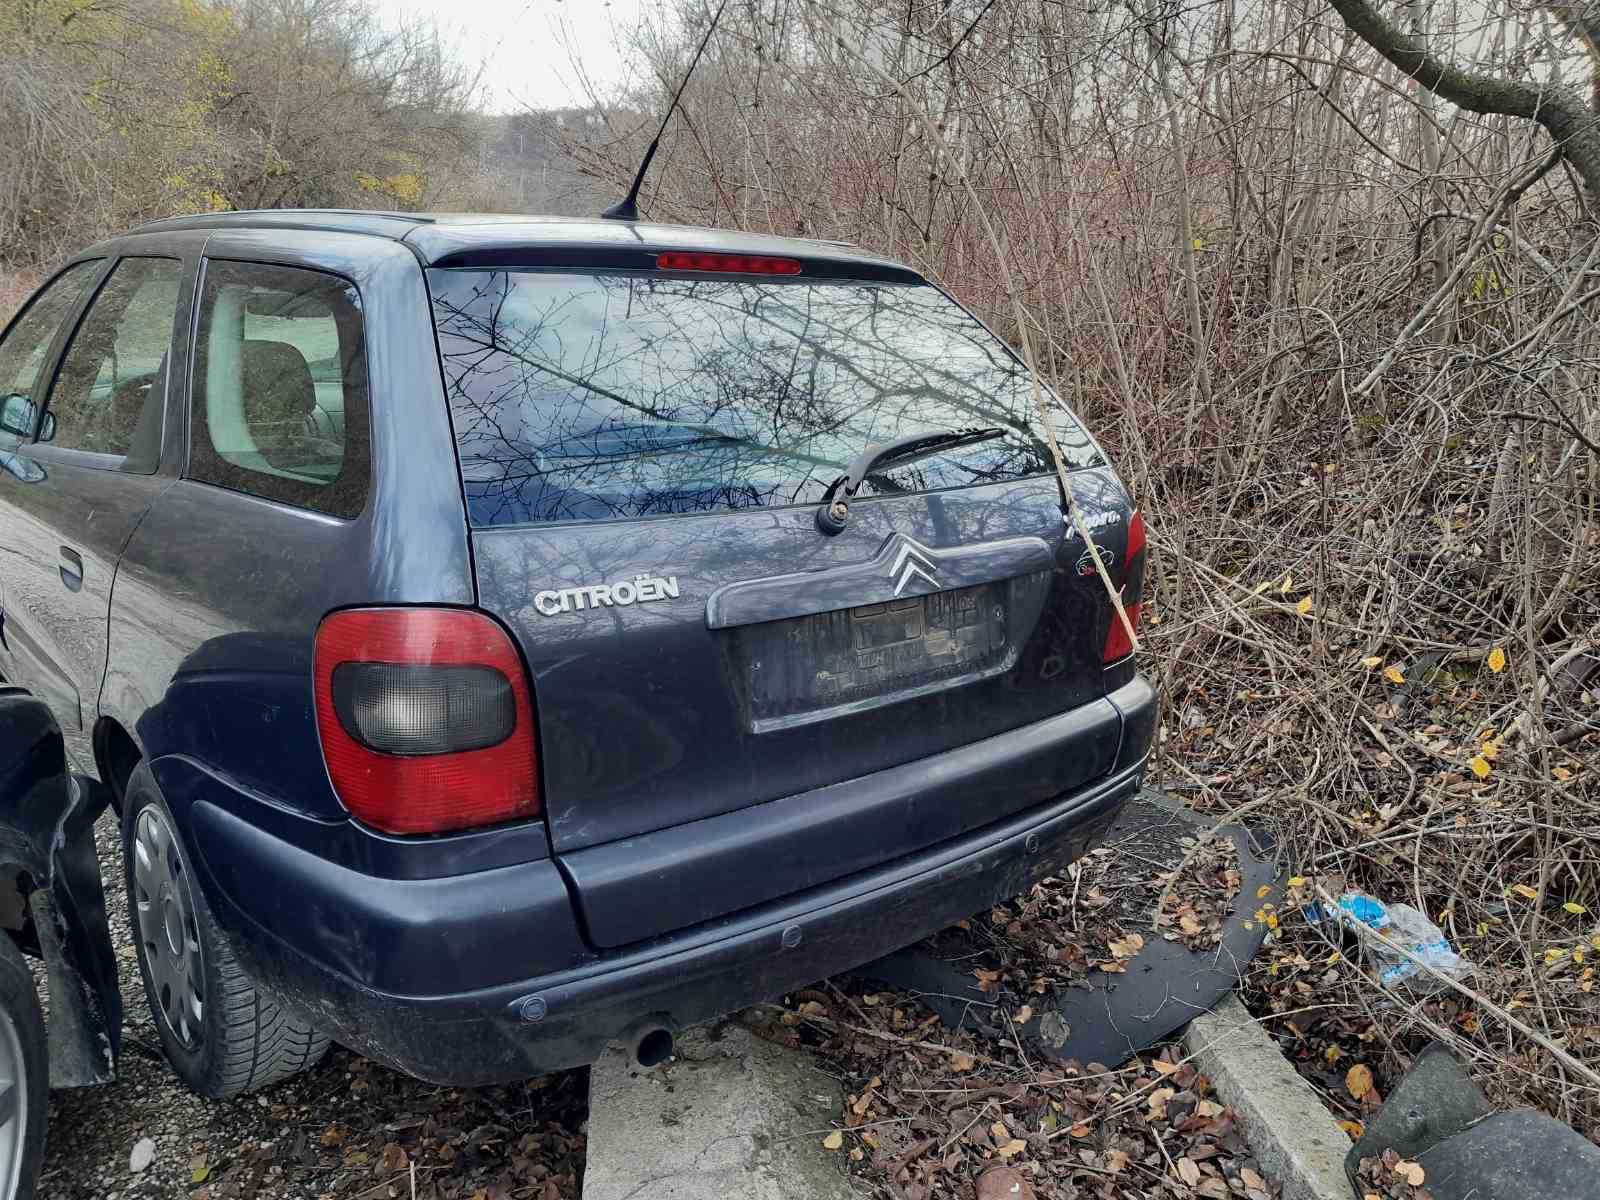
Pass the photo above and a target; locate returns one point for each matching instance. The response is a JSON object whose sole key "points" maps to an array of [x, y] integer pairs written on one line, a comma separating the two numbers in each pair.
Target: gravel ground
{"points": [[348, 1129]]}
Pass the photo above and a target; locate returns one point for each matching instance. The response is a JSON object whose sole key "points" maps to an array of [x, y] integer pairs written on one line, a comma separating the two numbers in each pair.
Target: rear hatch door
{"points": [[733, 706]]}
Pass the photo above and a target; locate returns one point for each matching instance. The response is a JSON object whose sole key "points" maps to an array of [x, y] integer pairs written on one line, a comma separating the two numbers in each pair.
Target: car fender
{"points": [[52, 902]]}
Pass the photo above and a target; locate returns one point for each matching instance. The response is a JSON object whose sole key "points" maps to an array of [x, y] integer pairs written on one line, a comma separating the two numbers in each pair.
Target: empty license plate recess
{"points": [[813, 668]]}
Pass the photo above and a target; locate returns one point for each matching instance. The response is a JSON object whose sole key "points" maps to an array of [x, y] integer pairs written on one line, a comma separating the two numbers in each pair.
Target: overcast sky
{"points": [[525, 47]]}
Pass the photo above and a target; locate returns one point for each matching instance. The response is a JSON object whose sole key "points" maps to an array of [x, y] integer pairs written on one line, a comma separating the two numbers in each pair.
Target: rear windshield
{"points": [[599, 396]]}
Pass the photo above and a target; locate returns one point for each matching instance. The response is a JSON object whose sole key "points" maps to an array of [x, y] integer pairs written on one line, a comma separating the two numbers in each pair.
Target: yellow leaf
{"points": [[962, 1062], [1013, 1147], [1333, 1054], [1304, 607], [1354, 1128], [1497, 660], [1394, 674], [1287, 585], [1523, 890], [1297, 881], [1578, 956], [1372, 663], [1490, 749], [1561, 774], [1359, 1080], [1595, 941], [1199, 243], [1263, 891], [1483, 928], [1574, 908], [1480, 766], [1272, 921], [834, 1141], [1555, 954]]}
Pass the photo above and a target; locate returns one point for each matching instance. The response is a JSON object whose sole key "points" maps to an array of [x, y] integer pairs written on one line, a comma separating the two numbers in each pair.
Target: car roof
{"points": [[457, 239]]}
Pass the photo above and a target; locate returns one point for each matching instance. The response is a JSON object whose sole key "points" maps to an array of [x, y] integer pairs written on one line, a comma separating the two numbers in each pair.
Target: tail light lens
{"points": [[1118, 644], [425, 718]]}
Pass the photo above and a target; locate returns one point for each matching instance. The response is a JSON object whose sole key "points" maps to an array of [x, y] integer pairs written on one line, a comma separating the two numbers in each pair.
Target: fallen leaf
{"points": [[1372, 662], [1394, 674], [393, 1158], [1287, 585], [1574, 908], [1189, 1170], [1333, 1054], [1354, 1128], [1012, 1148], [962, 1062], [834, 1141], [199, 1169], [1304, 607], [1411, 1172], [1526, 892], [1359, 1080], [1480, 766], [1079, 1130], [1004, 1183], [1497, 660]]}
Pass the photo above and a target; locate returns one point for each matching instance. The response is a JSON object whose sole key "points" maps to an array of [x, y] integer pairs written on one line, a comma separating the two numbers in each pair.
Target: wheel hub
{"points": [[168, 937]]}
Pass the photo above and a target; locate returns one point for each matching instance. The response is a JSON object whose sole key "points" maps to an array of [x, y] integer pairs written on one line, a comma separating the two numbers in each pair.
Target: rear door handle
{"points": [[71, 568]]}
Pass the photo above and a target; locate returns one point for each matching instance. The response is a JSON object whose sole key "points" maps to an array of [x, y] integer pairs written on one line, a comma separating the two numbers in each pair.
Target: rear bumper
{"points": [[566, 1015]]}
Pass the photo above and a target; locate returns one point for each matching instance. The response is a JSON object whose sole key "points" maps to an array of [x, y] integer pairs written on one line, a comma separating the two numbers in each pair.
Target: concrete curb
{"points": [[1296, 1140]]}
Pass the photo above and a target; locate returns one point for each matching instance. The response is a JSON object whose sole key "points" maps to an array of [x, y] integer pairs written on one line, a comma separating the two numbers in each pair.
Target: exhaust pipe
{"points": [[649, 1042]]}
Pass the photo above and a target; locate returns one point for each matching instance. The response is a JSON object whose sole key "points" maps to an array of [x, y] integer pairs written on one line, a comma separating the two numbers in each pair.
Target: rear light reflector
{"points": [[426, 719], [1118, 644], [737, 264]]}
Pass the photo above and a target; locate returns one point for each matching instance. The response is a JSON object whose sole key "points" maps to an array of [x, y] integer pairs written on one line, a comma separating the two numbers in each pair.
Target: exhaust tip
{"points": [[653, 1046]]}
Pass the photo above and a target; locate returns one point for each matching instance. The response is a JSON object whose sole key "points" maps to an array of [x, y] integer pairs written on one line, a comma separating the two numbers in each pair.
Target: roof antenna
{"points": [[627, 209]]}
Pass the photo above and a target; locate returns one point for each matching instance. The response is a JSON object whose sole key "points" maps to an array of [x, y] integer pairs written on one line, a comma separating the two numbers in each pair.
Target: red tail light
{"points": [[425, 718], [1118, 644], [738, 264]]}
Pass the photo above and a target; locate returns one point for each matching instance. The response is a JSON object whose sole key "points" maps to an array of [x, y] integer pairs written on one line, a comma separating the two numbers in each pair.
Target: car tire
{"points": [[24, 1076], [221, 1034]]}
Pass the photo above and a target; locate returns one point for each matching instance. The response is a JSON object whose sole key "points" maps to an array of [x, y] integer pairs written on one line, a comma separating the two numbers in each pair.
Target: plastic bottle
{"points": [[1405, 926]]}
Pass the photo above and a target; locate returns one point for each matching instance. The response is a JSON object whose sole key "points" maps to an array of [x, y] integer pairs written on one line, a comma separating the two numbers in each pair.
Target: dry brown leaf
{"points": [[1189, 1170], [1012, 1148], [1411, 1172], [1004, 1183]]}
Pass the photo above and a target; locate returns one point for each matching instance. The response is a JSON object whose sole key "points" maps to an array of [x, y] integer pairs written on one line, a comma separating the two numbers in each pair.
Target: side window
{"points": [[28, 341], [110, 382], [280, 387]]}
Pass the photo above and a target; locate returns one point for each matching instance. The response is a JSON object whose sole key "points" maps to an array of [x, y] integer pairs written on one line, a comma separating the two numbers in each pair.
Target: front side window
{"points": [[109, 384], [594, 396], [26, 343], [280, 387]]}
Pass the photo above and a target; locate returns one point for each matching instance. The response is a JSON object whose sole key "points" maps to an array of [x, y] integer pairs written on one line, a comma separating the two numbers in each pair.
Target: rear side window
{"points": [[596, 396], [110, 387], [26, 343], [280, 387]]}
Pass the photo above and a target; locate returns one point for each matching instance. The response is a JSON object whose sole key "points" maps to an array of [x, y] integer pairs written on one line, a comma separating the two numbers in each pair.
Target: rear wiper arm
{"points": [[835, 510]]}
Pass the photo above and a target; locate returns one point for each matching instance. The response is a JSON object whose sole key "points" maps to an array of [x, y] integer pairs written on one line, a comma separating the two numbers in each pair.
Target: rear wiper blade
{"points": [[835, 510]]}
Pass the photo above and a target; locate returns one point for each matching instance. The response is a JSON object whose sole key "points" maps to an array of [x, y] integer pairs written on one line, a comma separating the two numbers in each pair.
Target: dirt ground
{"points": [[349, 1130]]}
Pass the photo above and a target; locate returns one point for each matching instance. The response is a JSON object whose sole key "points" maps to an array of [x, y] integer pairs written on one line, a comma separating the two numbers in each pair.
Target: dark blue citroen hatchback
{"points": [[506, 635]]}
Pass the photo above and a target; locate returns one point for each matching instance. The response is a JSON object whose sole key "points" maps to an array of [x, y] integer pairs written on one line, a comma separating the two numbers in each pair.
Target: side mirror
{"points": [[17, 415]]}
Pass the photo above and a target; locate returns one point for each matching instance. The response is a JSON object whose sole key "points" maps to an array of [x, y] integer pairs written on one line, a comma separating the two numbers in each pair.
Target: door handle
{"points": [[71, 568]]}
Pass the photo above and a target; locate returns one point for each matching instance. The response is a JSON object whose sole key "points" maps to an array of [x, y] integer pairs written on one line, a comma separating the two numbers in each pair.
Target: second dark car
{"points": [[503, 635]]}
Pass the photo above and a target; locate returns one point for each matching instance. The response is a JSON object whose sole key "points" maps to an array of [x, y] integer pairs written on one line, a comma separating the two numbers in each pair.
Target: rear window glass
{"points": [[598, 396]]}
